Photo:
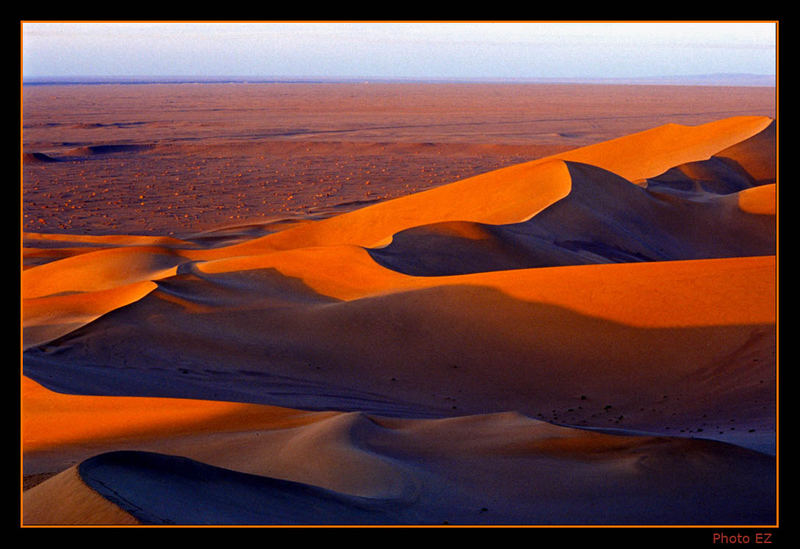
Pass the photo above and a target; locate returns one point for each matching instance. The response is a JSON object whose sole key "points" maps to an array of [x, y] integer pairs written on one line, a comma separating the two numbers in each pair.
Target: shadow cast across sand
{"points": [[159, 489], [604, 219], [436, 352]]}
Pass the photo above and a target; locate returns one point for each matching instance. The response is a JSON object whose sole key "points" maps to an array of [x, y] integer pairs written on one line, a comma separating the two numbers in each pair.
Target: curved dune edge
{"points": [[99, 270], [756, 155], [46, 318], [41, 248], [468, 470], [102, 275], [505, 196], [605, 219], [679, 293], [761, 200], [508, 195], [397, 471], [347, 273], [51, 420], [646, 154], [65, 500], [103, 241]]}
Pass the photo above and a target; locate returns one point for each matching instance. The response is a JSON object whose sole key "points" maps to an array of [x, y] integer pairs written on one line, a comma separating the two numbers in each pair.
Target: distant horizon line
{"points": [[711, 79]]}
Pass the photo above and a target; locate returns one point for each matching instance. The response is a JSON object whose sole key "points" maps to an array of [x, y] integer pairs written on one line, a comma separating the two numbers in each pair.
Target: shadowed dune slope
{"points": [[467, 470], [703, 208], [485, 343], [756, 155], [603, 219], [646, 154]]}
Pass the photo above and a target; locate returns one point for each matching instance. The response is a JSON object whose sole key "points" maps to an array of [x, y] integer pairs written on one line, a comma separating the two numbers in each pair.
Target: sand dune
{"points": [[587, 338], [47, 318], [369, 469], [756, 155], [516, 193], [649, 153], [604, 219], [428, 473], [34, 157], [427, 352], [761, 200], [494, 197], [42, 504]]}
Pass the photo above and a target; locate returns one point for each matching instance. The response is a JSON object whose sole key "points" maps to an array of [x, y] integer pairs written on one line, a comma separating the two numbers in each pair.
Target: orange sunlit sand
{"points": [[584, 338]]}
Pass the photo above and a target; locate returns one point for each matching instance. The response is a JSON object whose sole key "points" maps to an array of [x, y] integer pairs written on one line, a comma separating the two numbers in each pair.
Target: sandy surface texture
{"points": [[176, 159], [425, 305]]}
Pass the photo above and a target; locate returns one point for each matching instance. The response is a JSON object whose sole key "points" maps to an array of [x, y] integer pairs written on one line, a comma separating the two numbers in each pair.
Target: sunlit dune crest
{"points": [[508, 195], [99, 270], [678, 292], [47, 318], [640, 156], [54, 419], [759, 200], [606, 315], [81, 504]]}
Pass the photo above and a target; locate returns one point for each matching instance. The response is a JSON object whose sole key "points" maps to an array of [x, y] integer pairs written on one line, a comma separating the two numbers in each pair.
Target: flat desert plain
{"points": [[414, 304]]}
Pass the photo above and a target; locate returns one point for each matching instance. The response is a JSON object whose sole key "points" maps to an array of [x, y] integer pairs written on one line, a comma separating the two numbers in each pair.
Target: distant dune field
{"points": [[561, 323], [180, 159]]}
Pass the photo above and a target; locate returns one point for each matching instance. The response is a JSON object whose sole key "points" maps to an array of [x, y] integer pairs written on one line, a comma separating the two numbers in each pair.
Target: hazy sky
{"points": [[397, 49]]}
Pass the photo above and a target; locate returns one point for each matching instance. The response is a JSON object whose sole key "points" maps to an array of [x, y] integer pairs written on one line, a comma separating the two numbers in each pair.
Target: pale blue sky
{"points": [[397, 49]]}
